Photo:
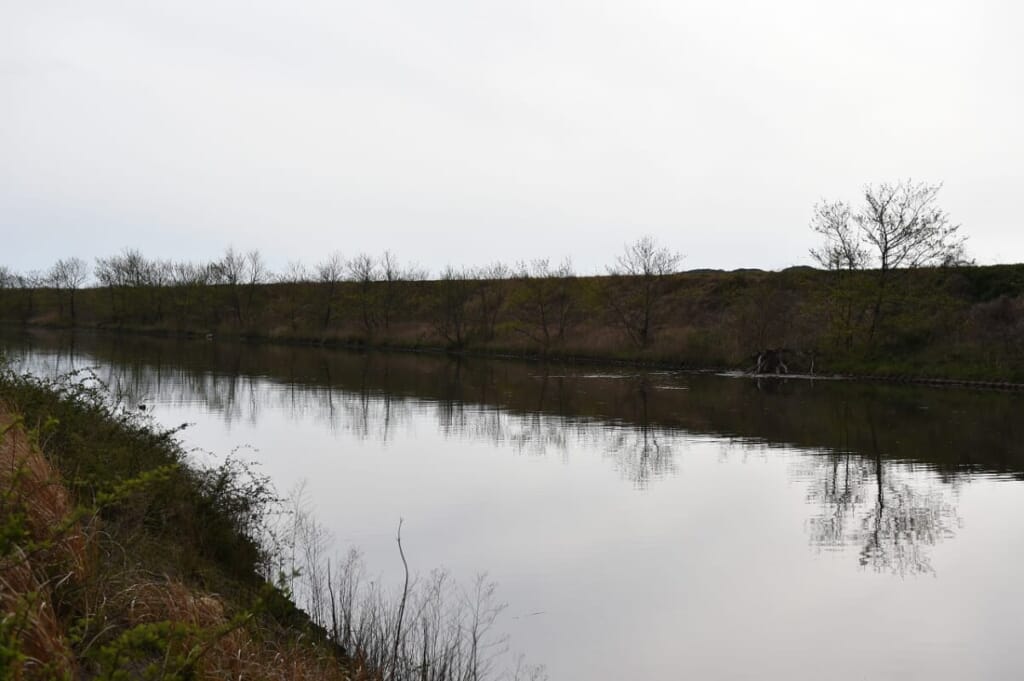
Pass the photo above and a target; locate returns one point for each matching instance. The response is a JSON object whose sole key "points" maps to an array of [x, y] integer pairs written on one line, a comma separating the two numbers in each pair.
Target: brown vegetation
{"points": [[69, 612], [44, 557]]}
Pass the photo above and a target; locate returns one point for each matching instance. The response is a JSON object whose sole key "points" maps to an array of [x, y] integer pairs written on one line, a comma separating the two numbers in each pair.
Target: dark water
{"points": [[640, 524]]}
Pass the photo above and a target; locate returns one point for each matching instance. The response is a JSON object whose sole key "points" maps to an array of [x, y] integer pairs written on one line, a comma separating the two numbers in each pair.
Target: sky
{"points": [[471, 132]]}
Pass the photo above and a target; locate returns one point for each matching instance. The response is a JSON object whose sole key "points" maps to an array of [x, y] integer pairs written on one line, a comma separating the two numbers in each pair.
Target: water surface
{"points": [[640, 524]]}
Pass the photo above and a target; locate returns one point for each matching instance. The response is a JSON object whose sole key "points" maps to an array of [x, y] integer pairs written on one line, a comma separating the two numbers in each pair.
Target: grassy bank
{"points": [[957, 323], [120, 559]]}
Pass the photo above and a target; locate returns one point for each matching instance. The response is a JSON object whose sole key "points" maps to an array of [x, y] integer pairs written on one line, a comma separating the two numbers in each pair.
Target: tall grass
{"points": [[430, 629]]}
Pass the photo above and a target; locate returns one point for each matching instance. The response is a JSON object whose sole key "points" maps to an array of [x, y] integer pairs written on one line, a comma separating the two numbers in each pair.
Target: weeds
{"points": [[121, 559], [431, 629]]}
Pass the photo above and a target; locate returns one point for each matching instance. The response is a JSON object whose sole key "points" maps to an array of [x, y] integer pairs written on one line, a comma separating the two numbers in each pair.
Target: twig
{"points": [[401, 605]]}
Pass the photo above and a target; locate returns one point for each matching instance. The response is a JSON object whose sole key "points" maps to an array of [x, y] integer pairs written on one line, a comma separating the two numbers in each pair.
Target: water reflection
{"points": [[882, 465], [892, 515]]}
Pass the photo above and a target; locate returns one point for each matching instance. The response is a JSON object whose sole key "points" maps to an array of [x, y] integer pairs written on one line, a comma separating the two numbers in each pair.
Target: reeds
{"points": [[429, 629]]}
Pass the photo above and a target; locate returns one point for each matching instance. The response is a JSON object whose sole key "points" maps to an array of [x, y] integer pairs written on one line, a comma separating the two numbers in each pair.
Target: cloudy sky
{"points": [[466, 132]]}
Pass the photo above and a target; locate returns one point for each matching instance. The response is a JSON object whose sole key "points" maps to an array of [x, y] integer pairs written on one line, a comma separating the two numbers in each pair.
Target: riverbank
{"points": [[122, 556], [956, 324], [121, 559]]}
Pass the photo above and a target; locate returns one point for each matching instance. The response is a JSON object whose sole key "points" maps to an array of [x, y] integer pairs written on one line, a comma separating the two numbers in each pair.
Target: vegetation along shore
{"points": [[121, 557], [894, 296]]}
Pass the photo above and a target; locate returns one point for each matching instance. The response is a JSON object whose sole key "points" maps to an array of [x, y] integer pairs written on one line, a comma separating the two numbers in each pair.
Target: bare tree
{"points": [[543, 311], [130, 276], [843, 248], [67, 276], [329, 272], [393, 274], [157, 276], [241, 274], [190, 282], [637, 287], [364, 273], [491, 292], [256, 273], [291, 280], [842, 253], [451, 316], [27, 284], [8, 282], [905, 228], [899, 225], [230, 271]]}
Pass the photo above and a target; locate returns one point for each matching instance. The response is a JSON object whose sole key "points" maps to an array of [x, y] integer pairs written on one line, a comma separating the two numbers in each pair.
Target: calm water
{"points": [[640, 525]]}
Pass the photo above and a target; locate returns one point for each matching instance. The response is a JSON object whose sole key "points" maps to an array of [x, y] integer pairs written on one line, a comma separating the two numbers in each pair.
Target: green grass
{"points": [[119, 558]]}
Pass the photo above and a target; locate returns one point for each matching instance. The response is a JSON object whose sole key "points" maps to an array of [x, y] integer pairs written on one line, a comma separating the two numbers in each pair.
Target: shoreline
{"points": [[680, 366]]}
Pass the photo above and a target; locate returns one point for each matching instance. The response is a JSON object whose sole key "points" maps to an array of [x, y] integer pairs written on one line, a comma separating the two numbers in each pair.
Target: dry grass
{"points": [[53, 555], [53, 552], [232, 649]]}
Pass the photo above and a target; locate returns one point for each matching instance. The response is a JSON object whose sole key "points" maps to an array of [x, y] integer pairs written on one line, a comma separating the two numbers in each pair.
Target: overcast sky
{"points": [[468, 132]]}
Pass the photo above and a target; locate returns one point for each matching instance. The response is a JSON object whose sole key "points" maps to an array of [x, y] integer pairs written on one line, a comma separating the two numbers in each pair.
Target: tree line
{"points": [[894, 280], [470, 302]]}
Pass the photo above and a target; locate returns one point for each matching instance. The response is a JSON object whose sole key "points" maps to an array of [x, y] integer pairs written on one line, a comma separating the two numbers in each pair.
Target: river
{"points": [[639, 524]]}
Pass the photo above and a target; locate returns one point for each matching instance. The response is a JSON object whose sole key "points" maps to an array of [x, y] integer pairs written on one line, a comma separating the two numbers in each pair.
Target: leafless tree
{"points": [[364, 273], [256, 273], [67, 276], [242, 273], [128, 268], [330, 272], [130, 276], [8, 282], [190, 284], [544, 309], [843, 248], [491, 291], [898, 225], [292, 280], [27, 284], [905, 228], [451, 316], [842, 253], [230, 270], [393, 275], [637, 286]]}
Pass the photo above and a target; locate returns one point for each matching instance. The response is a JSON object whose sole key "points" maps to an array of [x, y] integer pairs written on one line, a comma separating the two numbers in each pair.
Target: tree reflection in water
{"points": [[893, 511], [881, 462], [640, 451]]}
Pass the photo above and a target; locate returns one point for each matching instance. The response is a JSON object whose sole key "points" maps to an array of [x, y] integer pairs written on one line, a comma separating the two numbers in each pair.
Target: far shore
{"points": [[552, 358]]}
